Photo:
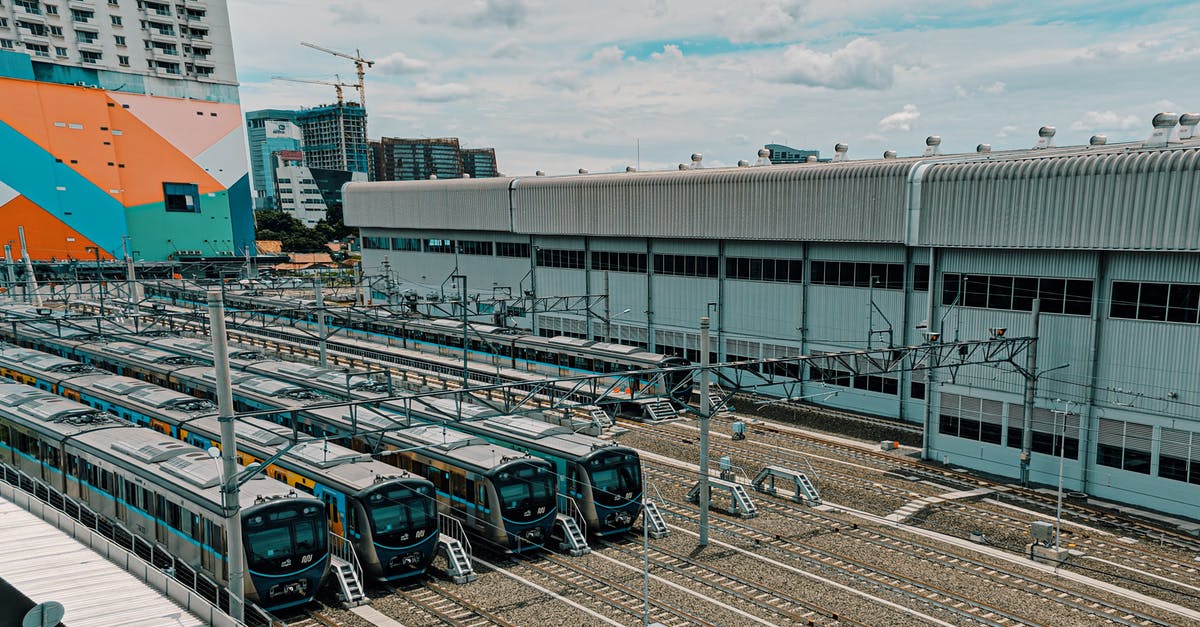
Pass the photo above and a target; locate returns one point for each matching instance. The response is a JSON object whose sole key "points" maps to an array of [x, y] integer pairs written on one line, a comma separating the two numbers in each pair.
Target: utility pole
{"points": [[229, 487], [99, 276], [31, 280], [12, 275], [462, 301], [705, 408], [135, 291], [320, 297], [1031, 376]]}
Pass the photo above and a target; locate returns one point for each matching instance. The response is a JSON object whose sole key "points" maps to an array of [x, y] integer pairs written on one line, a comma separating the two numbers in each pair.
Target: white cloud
{"points": [[400, 63], [861, 64], [1006, 131], [508, 49], [994, 89], [565, 80], [960, 91], [1106, 121], [900, 120], [670, 52], [446, 92], [608, 55], [487, 13], [769, 21], [351, 13]]}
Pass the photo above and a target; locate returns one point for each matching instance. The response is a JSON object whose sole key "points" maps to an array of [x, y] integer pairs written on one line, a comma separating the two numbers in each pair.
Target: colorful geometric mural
{"points": [[81, 166]]}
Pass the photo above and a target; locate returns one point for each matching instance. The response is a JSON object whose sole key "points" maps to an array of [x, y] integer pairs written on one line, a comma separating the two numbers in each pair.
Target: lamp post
{"points": [[1062, 453], [462, 301], [608, 325]]}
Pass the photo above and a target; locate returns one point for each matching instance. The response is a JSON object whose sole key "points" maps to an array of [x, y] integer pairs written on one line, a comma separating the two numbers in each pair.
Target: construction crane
{"points": [[360, 65], [341, 114]]}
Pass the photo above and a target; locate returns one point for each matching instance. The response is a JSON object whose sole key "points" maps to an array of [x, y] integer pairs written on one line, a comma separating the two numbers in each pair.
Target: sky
{"points": [[558, 85]]}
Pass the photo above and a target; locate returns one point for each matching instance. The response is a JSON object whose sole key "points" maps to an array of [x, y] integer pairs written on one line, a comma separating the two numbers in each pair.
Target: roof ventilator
{"points": [[1164, 131], [630, 169], [742, 163], [764, 156], [583, 170], [889, 154], [684, 166], [697, 161], [1098, 140], [810, 159], [1187, 125], [933, 145], [983, 148], [1045, 137], [539, 173], [840, 151]]}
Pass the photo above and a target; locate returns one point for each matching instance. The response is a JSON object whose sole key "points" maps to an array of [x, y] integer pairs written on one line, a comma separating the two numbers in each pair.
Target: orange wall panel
{"points": [[44, 233]]}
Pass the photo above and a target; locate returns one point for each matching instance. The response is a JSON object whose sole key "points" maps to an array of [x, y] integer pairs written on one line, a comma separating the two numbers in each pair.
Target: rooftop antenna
{"points": [[1045, 137]]}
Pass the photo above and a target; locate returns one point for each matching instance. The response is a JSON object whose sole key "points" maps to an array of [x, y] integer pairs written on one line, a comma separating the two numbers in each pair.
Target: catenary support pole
{"points": [[1030, 392], [705, 409], [229, 489], [321, 343], [31, 278], [12, 275]]}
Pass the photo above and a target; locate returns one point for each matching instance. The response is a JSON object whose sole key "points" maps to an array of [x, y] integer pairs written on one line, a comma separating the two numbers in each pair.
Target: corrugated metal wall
{"points": [[820, 202], [471, 204], [1130, 200]]}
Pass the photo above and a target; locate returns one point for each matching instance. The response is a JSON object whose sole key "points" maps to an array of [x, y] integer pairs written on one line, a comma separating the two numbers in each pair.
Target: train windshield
{"points": [[526, 491], [400, 514], [285, 539], [616, 477]]}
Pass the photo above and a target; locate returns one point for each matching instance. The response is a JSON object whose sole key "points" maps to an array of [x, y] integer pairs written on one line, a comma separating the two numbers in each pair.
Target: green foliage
{"points": [[296, 237]]}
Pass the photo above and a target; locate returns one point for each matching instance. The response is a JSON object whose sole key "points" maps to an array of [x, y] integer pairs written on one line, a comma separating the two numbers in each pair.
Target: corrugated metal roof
{"points": [[459, 204], [1127, 199], [828, 201], [47, 565]]}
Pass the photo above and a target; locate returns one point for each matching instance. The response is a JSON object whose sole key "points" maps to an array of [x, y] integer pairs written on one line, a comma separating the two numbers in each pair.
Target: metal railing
{"points": [[344, 549], [450, 526], [572, 509]]}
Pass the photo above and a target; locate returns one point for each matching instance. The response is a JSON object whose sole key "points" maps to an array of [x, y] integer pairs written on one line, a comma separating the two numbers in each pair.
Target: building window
{"points": [[410, 244], [776, 270], [1015, 293], [60, 51], [920, 277], [4, 24], [375, 243], [971, 418], [38, 49], [182, 197], [123, 60], [87, 56], [1124, 445], [28, 6], [619, 262], [116, 20], [887, 276], [120, 40], [1179, 455], [55, 31], [6, 44], [512, 249], [475, 248], [439, 246], [1050, 435], [84, 37], [51, 9], [1164, 302], [686, 265], [560, 258], [81, 16]]}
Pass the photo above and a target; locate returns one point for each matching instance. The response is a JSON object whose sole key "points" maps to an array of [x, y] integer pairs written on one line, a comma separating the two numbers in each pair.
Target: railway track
{"points": [[447, 607], [895, 549]]}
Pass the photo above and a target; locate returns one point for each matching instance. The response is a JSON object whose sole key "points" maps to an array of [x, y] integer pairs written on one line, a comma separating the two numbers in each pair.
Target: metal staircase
{"points": [[656, 526], [347, 570], [740, 504], [599, 416], [805, 490], [574, 537], [453, 543], [658, 410]]}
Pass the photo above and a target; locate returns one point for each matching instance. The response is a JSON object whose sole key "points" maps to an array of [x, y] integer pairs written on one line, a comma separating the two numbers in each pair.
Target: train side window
{"points": [[106, 481], [147, 499], [73, 465]]}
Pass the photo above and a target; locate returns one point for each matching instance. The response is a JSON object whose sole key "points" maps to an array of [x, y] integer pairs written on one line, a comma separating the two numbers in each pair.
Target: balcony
{"points": [[86, 28], [29, 16], [92, 46], [163, 37], [27, 36], [82, 5]]}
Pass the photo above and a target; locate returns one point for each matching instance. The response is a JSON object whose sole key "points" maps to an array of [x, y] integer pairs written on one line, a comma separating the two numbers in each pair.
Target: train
{"points": [[468, 477], [600, 479], [167, 493], [497, 346]]}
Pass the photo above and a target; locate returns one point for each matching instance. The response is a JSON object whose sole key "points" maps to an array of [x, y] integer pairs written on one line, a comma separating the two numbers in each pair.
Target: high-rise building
{"points": [[269, 131], [330, 137], [404, 159], [121, 126], [787, 154], [480, 162], [308, 193]]}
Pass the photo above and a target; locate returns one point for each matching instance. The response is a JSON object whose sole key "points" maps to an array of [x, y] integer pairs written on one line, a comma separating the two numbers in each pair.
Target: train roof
{"points": [[165, 460], [327, 461], [53, 414], [145, 354], [43, 362], [336, 379], [463, 448], [154, 396]]}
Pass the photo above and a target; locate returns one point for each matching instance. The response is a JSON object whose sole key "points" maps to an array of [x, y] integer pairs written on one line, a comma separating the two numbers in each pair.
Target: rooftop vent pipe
{"points": [[889, 154], [630, 168], [983, 148], [1164, 130], [764, 156], [583, 171], [1098, 140], [933, 145], [1045, 137], [539, 173], [697, 161], [684, 166], [1187, 125], [742, 163], [840, 151]]}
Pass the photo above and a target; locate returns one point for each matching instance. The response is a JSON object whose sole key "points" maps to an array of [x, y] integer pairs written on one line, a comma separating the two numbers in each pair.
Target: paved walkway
{"points": [[911, 508]]}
